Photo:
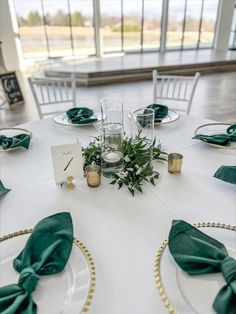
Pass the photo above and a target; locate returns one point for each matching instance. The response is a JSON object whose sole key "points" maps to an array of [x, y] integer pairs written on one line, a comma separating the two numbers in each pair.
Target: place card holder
{"points": [[67, 164]]}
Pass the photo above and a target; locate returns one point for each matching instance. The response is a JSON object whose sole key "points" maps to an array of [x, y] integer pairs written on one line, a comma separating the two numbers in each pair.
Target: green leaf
{"points": [[152, 181]]}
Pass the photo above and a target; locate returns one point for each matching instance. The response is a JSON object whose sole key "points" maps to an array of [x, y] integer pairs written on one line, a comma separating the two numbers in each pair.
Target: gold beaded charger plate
{"points": [[215, 128], [9, 132], [182, 293], [62, 118], [70, 291], [170, 117]]}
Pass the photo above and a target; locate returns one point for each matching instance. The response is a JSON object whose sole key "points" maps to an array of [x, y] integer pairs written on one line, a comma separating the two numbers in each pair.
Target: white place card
{"points": [[67, 161]]}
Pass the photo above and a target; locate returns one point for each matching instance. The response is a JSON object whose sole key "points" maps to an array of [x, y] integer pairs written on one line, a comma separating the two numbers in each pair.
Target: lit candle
{"points": [[112, 157], [93, 174]]}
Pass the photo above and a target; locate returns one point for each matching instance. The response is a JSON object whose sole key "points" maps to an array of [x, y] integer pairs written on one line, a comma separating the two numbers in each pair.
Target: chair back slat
{"points": [[167, 88], [162, 86], [180, 88], [173, 87]]}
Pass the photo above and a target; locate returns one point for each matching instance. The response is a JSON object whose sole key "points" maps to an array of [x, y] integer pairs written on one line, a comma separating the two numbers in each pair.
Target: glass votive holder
{"points": [[175, 163], [93, 174]]}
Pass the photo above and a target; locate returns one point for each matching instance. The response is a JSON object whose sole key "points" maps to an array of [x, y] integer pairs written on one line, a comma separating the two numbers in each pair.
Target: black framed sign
{"points": [[11, 88]]}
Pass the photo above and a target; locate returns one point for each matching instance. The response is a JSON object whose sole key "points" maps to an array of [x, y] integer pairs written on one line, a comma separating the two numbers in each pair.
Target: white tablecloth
{"points": [[122, 232]]}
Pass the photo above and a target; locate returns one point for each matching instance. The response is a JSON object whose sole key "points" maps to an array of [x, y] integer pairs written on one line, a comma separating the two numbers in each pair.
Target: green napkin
{"points": [[197, 254], [15, 141], [227, 174], [80, 115], [45, 253], [3, 190], [160, 111], [219, 139]]}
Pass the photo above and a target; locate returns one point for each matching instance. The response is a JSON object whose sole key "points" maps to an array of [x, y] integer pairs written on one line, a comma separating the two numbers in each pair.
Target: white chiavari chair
{"points": [[53, 95], [175, 91]]}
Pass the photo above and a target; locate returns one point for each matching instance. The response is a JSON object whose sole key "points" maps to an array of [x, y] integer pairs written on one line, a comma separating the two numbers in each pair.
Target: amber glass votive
{"points": [[93, 174], [175, 163]]}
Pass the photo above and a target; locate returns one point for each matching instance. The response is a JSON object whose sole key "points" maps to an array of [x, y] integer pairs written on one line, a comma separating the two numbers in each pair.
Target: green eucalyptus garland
{"points": [[137, 168]]}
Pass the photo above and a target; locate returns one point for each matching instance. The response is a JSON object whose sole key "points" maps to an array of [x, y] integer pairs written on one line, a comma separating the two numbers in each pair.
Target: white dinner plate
{"points": [[170, 117], [62, 118], [194, 294], [215, 128], [9, 132], [65, 293]]}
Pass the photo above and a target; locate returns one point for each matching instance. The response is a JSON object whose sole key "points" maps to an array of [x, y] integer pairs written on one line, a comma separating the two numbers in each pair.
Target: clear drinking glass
{"points": [[112, 110], [142, 127]]}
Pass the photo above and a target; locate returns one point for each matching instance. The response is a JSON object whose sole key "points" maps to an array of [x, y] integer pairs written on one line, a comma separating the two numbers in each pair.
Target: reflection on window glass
{"points": [[111, 25], [82, 26], [132, 11], [152, 24], [31, 28]]}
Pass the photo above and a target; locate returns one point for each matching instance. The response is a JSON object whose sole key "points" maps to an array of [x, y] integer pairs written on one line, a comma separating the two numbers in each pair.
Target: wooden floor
{"points": [[215, 98]]}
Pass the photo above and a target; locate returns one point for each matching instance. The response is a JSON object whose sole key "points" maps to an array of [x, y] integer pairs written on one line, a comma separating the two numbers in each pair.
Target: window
{"points": [[50, 28], [31, 28], [111, 21], [191, 23]]}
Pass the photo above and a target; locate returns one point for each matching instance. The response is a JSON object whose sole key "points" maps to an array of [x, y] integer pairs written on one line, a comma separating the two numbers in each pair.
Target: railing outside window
{"points": [[50, 28]]}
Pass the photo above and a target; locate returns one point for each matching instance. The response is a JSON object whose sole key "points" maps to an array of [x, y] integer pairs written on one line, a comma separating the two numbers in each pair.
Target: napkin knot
{"points": [[228, 269], [28, 279]]}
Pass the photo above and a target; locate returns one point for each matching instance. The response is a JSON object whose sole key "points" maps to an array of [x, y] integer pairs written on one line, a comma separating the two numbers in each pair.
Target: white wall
{"points": [[11, 46], [224, 24]]}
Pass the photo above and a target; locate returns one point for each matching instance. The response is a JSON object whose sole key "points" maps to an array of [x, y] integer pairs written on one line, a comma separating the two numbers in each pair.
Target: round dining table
{"points": [[122, 232]]}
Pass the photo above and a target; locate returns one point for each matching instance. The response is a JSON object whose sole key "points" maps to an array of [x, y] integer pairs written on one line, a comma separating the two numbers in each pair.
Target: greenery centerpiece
{"points": [[137, 166]]}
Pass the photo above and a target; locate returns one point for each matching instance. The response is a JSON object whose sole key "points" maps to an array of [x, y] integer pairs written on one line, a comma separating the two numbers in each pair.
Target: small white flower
{"points": [[130, 169], [122, 174], [126, 159], [139, 171]]}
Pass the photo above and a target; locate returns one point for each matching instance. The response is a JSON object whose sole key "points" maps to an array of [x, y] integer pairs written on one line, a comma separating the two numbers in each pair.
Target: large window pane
{"points": [[31, 28], [175, 26], [209, 17], [132, 11], [111, 25], [192, 23], [152, 24], [82, 26], [58, 28]]}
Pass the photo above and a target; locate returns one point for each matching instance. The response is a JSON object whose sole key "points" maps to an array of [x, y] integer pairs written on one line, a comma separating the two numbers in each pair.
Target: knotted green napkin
{"points": [[15, 141], [45, 253], [197, 254], [80, 115], [227, 174], [219, 139], [160, 111], [3, 190]]}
